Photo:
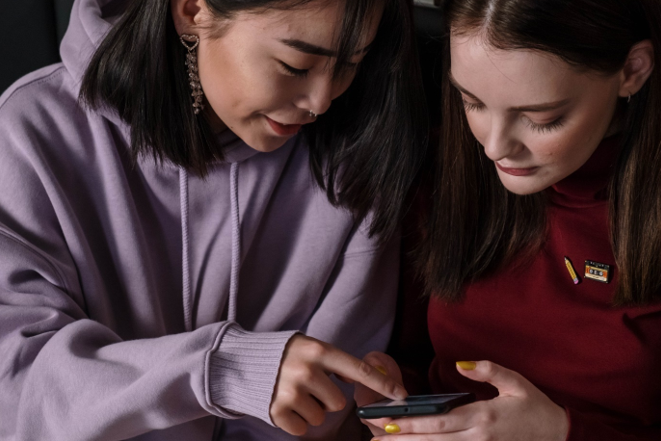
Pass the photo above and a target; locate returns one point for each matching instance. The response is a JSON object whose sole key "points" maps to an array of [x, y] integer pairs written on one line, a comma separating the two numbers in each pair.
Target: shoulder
{"points": [[39, 107], [44, 126], [42, 88], [44, 102]]}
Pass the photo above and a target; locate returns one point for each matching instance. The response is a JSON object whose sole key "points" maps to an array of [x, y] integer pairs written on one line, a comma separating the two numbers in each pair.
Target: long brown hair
{"points": [[473, 224]]}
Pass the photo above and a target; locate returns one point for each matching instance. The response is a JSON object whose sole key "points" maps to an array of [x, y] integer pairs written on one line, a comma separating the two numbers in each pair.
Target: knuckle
{"points": [[489, 368], [364, 369], [439, 424], [286, 397], [304, 375], [317, 350], [488, 418]]}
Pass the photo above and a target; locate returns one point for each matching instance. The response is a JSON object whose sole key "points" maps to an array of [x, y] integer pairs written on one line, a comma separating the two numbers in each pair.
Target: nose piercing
{"points": [[313, 115]]}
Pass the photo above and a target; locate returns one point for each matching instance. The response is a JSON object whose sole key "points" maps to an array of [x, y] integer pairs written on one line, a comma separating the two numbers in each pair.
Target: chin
{"points": [[266, 144], [522, 188]]}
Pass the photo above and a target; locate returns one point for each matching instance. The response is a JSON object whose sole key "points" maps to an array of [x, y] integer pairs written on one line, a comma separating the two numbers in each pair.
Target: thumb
{"points": [[386, 366], [508, 382]]}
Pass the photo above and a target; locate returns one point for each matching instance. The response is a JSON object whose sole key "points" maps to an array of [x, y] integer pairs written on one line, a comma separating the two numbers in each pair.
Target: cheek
{"points": [[238, 80], [564, 152], [221, 76]]}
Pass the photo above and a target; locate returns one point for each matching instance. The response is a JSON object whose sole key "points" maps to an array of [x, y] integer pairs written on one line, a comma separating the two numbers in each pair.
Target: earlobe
{"points": [[186, 15], [637, 69]]}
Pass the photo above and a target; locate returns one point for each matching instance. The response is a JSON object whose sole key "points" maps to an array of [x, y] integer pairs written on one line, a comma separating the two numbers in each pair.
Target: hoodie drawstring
{"points": [[185, 246], [185, 242], [236, 242]]}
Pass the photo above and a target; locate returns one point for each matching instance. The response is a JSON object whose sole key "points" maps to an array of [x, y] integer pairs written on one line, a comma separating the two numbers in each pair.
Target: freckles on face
{"points": [[538, 118]]}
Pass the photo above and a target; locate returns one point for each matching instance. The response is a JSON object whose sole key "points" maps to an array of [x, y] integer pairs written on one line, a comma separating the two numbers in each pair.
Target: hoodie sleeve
{"points": [[66, 377], [63, 375]]}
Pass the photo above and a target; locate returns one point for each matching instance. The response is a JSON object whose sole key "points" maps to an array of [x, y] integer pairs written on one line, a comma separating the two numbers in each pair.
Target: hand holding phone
{"points": [[414, 405]]}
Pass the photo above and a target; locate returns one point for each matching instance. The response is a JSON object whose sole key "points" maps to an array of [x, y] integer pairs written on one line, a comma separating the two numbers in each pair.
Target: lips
{"points": [[517, 171], [283, 129]]}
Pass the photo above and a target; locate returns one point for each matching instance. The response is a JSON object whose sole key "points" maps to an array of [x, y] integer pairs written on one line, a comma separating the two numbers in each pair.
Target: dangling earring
{"points": [[629, 99], [191, 42], [313, 115]]}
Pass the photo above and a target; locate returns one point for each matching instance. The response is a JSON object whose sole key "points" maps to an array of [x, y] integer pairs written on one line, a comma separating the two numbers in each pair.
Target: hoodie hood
{"points": [[90, 22]]}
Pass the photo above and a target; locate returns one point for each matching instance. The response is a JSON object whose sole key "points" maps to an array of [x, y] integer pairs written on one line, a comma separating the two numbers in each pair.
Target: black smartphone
{"points": [[414, 405]]}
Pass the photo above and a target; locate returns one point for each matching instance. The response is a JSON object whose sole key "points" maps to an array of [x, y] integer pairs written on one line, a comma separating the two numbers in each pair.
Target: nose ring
{"points": [[313, 115]]}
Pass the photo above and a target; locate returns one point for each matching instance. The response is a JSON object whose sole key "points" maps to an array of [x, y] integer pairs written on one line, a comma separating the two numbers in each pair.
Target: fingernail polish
{"points": [[467, 365], [392, 428], [381, 369]]}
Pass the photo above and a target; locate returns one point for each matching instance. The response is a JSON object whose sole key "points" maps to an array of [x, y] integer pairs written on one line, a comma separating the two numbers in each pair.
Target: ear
{"points": [[187, 15], [637, 69]]}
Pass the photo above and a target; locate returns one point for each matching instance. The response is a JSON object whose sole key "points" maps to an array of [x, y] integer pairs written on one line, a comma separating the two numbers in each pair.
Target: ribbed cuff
{"points": [[244, 369]]}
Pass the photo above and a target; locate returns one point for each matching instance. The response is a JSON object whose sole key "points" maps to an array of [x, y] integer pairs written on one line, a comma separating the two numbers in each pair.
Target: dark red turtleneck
{"points": [[603, 364]]}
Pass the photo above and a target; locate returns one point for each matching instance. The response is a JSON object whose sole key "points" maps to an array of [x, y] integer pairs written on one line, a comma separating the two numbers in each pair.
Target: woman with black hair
{"points": [[196, 208], [541, 238]]}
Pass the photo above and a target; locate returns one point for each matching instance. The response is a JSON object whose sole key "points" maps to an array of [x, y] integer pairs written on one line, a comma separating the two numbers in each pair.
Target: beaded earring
{"points": [[191, 42]]}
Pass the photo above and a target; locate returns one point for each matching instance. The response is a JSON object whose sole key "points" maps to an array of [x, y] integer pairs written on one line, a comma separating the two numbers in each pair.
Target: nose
{"points": [[320, 95], [500, 143]]}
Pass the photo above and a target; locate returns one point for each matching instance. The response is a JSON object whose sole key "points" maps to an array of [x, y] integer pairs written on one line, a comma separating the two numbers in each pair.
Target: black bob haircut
{"points": [[364, 151]]}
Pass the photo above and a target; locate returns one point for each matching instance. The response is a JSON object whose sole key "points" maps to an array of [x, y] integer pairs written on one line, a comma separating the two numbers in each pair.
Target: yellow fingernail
{"points": [[467, 365], [381, 369], [392, 428]]}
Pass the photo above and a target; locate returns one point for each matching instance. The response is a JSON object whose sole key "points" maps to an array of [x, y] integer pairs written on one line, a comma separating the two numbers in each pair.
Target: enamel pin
{"points": [[597, 271]]}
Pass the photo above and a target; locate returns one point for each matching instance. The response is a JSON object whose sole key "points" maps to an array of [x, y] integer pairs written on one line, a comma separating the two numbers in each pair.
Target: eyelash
{"points": [[302, 73], [472, 106], [541, 128]]}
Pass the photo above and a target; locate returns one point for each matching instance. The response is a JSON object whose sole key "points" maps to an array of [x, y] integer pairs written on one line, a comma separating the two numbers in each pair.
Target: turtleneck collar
{"points": [[588, 186]]}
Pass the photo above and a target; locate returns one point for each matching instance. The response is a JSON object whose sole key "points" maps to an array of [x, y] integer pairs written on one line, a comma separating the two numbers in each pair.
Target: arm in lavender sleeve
{"points": [[66, 377]]}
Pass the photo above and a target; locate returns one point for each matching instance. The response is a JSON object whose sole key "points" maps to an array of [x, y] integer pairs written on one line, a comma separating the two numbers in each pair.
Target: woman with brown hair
{"points": [[541, 245]]}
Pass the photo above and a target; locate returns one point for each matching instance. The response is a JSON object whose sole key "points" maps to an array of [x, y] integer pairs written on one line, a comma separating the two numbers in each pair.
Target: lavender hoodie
{"points": [[145, 303]]}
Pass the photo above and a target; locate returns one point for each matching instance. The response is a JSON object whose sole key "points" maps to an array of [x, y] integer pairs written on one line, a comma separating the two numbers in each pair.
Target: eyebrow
{"points": [[312, 49], [544, 107]]}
